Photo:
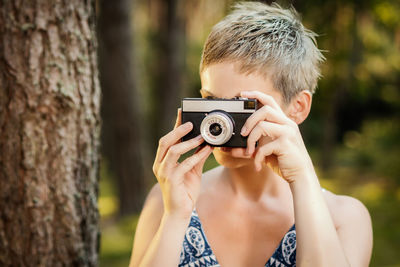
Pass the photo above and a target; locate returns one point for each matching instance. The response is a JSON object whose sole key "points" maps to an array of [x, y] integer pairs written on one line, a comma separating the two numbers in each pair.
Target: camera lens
{"points": [[215, 129]]}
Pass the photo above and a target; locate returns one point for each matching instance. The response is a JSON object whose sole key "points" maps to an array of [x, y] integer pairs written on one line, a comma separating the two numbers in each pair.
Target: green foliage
{"points": [[375, 149]]}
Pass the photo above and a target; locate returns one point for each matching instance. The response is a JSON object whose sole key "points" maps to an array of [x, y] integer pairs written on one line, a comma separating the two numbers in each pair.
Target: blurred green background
{"points": [[352, 132]]}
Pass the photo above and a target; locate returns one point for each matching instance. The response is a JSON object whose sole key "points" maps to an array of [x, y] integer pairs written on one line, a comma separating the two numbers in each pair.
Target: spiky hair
{"points": [[268, 40]]}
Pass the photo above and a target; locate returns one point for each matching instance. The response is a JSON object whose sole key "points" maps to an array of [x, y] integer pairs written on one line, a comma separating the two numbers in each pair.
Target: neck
{"points": [[248, 183]]}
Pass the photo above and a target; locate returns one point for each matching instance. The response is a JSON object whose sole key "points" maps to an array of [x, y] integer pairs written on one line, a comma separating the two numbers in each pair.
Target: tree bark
{"points": [[49, 134], [123, 145]]}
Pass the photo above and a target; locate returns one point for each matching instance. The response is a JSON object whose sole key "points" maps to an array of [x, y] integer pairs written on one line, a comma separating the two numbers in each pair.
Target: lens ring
{"points": [[224, 121]]}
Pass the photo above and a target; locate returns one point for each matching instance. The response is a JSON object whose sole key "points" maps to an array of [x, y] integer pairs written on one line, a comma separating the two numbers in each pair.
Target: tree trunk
{"points": [[49, 134], [123, 144]]}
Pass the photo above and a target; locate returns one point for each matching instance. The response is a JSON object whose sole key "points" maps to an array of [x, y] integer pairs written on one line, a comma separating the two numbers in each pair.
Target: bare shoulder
{"points": [[345, 209], [148, 224], [153, 207], [353, 226], [154, 198]]}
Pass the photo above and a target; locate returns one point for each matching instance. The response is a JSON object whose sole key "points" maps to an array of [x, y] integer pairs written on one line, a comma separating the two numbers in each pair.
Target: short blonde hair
{"points": [[269, 40]]}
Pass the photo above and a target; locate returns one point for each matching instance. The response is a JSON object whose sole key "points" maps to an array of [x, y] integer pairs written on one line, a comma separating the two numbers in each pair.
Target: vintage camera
{"points": [[219, 121]]}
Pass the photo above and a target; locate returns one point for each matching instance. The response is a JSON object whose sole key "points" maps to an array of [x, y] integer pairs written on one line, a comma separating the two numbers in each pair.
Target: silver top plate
{"points": [[207, 105]]}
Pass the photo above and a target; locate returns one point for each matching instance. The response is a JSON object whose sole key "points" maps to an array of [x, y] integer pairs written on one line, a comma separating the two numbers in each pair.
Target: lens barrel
{"points": [[217, 128]]}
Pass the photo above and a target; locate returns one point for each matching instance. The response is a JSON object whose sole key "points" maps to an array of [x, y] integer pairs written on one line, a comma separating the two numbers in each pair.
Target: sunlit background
{"points": [[352, 133]]}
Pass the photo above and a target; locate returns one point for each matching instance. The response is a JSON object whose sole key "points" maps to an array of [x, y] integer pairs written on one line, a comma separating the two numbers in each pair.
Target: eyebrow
{"points": [[209, 94]]}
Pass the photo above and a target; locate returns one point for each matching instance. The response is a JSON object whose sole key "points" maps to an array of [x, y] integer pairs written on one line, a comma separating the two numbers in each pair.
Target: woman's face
{"points": [[223, 80]]}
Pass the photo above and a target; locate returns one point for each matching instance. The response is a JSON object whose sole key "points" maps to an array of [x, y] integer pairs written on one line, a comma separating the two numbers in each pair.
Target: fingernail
{"points": [[206, 149], [243, 131], [247, 151], [187, 125], [199, 137]]}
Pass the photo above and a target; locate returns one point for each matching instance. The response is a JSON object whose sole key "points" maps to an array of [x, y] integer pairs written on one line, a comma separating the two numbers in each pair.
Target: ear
{"points": [[300, 106]]}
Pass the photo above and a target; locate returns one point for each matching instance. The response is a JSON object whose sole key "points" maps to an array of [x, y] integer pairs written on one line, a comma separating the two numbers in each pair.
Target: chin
{"points": [[232, 158]]}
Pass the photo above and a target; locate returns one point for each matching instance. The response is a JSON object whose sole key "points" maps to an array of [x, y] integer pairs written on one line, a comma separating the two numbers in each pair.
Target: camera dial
{"points": [[217, 128]]}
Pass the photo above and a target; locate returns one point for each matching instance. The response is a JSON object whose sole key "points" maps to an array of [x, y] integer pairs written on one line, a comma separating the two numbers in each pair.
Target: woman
{"points": [[263, 206]]}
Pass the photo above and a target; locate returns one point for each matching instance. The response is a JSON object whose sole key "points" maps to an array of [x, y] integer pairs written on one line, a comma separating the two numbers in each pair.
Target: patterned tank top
{"points": [[196, 252]]}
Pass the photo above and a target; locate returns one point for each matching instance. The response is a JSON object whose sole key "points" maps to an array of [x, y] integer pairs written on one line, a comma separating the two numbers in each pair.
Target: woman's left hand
{"points": [[278, 137]]}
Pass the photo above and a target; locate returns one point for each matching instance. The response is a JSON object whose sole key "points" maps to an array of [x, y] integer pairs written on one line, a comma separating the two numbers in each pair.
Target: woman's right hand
{"points": [[180, 182]]}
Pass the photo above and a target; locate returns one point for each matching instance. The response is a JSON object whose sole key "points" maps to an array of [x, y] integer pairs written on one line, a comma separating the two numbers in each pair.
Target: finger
{"points": [[161, 152], [266, 150], [264, 99], [263, 128], [199, 166], [192, 161], [175, 151], [178, 118], [171, 139], [264, 113]]}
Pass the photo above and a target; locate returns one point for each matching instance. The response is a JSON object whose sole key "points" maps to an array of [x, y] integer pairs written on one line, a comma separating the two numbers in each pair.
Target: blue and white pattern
{"points": [[285, 254], [196, 251]]}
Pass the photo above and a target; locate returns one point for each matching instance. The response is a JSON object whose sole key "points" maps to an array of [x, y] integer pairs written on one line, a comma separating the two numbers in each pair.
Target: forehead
{"points": [[224, 80]]}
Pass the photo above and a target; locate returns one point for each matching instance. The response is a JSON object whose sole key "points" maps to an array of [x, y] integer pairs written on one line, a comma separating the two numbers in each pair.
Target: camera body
{"points": [[219, 121]]}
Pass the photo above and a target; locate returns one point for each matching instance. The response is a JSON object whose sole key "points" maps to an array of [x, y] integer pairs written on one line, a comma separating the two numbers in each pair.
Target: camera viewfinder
{"points": [[249, 104]]}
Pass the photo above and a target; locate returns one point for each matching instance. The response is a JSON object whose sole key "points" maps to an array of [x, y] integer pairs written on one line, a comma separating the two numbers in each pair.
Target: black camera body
{"points": [[219, 121]]}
